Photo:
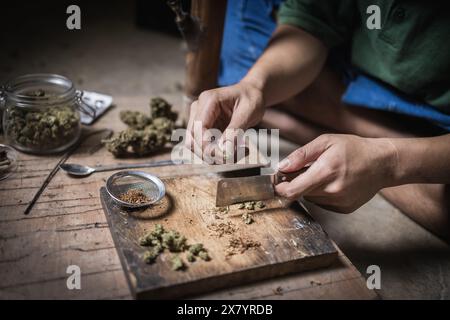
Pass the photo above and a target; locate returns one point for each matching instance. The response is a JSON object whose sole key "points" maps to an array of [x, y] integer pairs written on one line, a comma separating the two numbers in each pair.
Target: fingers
{"points": [[203, 114], [304, 155], [311, 179]]}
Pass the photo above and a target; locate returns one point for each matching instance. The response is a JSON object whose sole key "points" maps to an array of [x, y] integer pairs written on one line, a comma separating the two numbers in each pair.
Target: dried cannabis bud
{"points": [[173, 241], [260, 204], [204, 255], [177, 263], [146, 134], [135, 119], [161, 108], [190, 257], [158, 231], [247, 218], [44, 128], [159, 239]]}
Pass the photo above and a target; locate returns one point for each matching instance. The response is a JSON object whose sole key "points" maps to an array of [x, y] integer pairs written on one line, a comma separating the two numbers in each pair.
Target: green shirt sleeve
{"points": [[330, 21]]}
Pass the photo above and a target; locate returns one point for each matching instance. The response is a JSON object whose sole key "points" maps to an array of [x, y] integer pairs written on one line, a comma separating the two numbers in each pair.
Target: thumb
{"points": [[304, 155]]}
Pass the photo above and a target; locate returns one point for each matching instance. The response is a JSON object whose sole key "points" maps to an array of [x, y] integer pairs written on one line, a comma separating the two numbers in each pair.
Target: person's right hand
{"points": [[238, 106]]}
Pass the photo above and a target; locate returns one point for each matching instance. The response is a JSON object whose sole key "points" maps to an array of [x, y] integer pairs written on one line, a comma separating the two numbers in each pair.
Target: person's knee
{"points": [[426, 204]]}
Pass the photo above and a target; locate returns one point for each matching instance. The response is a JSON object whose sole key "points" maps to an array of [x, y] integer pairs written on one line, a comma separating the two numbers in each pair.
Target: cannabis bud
{"points": [[159, 239], [42, 128], [146, 133]]}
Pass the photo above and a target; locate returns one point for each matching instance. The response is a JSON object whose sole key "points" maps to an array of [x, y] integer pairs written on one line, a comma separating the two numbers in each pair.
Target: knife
{"points": [[251, 188]]}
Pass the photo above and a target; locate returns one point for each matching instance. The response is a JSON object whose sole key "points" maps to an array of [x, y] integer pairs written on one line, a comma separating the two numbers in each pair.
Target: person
{"points": [[371, 107]]}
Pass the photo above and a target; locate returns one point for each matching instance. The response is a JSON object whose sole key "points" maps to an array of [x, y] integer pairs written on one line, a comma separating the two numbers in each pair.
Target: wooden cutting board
{"points": [[290, 240]]}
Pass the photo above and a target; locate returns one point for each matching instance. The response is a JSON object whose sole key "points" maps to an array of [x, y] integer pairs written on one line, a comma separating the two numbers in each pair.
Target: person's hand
{"points": [[235, 107], [346, 171]]}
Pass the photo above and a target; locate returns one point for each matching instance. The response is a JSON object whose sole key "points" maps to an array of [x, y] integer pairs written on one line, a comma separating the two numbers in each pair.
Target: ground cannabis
{"points": [[151, 255], [260, 204], [145, 133], [161, 108], [135, 196], [240, 245], [159, 239], [43, 128], [251, 205], [195, 249], [173, 241], [204, 255], [223, 228]]}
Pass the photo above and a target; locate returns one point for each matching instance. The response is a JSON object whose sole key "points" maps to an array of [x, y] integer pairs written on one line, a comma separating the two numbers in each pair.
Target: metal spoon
{"points": [[80, 170]]}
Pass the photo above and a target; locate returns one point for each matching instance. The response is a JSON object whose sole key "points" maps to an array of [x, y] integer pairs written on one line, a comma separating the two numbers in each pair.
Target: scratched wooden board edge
{"points": [[232, 279], [203, 285]]}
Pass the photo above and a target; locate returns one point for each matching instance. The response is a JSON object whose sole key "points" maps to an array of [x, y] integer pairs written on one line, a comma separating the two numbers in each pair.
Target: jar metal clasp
{"points": [[83, 106]]}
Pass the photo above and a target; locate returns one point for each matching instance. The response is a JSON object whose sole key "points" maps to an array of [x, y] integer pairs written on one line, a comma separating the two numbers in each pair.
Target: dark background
{"points": [[123, 47]]}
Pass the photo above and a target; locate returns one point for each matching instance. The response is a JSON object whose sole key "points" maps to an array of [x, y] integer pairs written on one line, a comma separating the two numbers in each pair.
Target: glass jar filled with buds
{"points": [[41, 113]]}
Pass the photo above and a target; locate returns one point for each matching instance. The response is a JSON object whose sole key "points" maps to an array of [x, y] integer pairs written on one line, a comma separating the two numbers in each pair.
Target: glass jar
{"points": [[41, 113]]}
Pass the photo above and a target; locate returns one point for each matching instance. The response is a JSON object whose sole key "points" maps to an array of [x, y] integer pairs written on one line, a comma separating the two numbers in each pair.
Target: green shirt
{"points": [[410, 52]]}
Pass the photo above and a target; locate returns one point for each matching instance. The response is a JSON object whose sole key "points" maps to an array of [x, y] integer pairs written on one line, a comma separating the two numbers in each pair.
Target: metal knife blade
{"points": [[234, 190], [252, 188]]}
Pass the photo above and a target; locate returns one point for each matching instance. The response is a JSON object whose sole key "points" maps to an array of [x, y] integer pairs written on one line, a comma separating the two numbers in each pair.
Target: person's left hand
{"points": [[346, 171]]}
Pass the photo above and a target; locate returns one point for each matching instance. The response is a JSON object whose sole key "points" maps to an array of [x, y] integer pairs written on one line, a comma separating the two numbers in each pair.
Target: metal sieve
{"points": [[122, 182]]}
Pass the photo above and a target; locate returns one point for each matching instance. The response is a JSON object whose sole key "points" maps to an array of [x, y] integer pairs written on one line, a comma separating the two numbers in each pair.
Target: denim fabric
{"points": [[366, 92], [248, 27]]}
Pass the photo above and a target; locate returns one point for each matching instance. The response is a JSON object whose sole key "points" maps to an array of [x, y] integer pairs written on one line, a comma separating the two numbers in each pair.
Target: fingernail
{"points": [[284, 164]]}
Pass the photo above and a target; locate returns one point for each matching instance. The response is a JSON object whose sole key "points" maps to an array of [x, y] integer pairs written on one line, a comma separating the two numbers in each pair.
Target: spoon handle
{"points": [[136, 165]]}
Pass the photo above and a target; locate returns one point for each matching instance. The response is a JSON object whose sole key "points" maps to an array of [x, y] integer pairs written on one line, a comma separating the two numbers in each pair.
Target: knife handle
{"points": [[280, 177]]}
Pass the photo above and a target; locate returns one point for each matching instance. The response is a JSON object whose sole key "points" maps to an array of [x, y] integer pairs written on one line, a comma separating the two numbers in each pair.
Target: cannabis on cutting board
{"points": [[145, 134], [250, 205], [159, 240]]}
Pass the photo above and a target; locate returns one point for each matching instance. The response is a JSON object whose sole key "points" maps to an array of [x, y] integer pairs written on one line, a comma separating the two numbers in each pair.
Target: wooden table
{"points": [[67, 226]]}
